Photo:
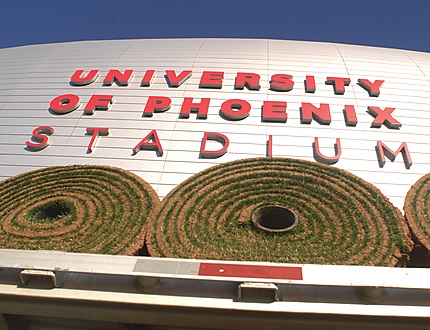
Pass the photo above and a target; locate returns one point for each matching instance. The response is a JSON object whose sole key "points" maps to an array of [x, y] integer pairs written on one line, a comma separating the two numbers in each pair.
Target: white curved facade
{"points": [[33, 76]]}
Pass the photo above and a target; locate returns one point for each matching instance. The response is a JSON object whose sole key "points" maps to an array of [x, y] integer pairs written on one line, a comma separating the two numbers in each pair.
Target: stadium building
{"points": [[214, 184]]}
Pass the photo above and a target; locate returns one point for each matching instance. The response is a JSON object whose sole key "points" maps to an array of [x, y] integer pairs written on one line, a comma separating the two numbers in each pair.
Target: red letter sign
{"points": [[211, 79], [383, 117], [371, 88], [42, 140], [235, 109], [156, 104], [98, 102], [338, 84], [384, 151], [250, 80], [146, 144], [122, 79], [176, 81], [325, 159], [78, 80], [95, 132], [350, 116], [64, 104], [321, 115], [274, 112], [269, 146], [201, 108], [147, 78], [281, 83], [310, 84], [213, 137]]}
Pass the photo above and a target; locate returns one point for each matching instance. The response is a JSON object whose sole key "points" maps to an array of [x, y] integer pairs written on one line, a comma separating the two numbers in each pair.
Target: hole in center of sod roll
{"points": [[274, 219], [51, 212]]}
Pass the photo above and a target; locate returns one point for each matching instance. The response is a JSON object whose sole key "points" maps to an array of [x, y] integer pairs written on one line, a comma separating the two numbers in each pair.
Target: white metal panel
{"points": [[32, 76]]}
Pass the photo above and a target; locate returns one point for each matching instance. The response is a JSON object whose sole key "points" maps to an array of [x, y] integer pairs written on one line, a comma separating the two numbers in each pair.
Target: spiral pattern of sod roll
{"points": [[342, 219], [80, 208], [417, 208]]}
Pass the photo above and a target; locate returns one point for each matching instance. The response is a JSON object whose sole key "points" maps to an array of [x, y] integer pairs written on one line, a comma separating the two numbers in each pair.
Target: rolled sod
{"points": [[88, 209], [341, 219], [417, 207]]}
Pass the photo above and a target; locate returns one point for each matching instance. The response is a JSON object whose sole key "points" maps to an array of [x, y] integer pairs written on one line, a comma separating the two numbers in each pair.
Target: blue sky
{"points": [[386, 23]]}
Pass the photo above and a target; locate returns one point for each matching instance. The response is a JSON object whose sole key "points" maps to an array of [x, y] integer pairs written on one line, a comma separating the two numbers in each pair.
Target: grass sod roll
{"points": [[417, 210], [342, 219], [80, 208]]}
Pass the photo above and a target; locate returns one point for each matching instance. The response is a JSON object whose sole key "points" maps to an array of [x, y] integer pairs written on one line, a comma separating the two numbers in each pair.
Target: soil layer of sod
{"points": [[342, 219], [417, 208], [88, 209]]}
